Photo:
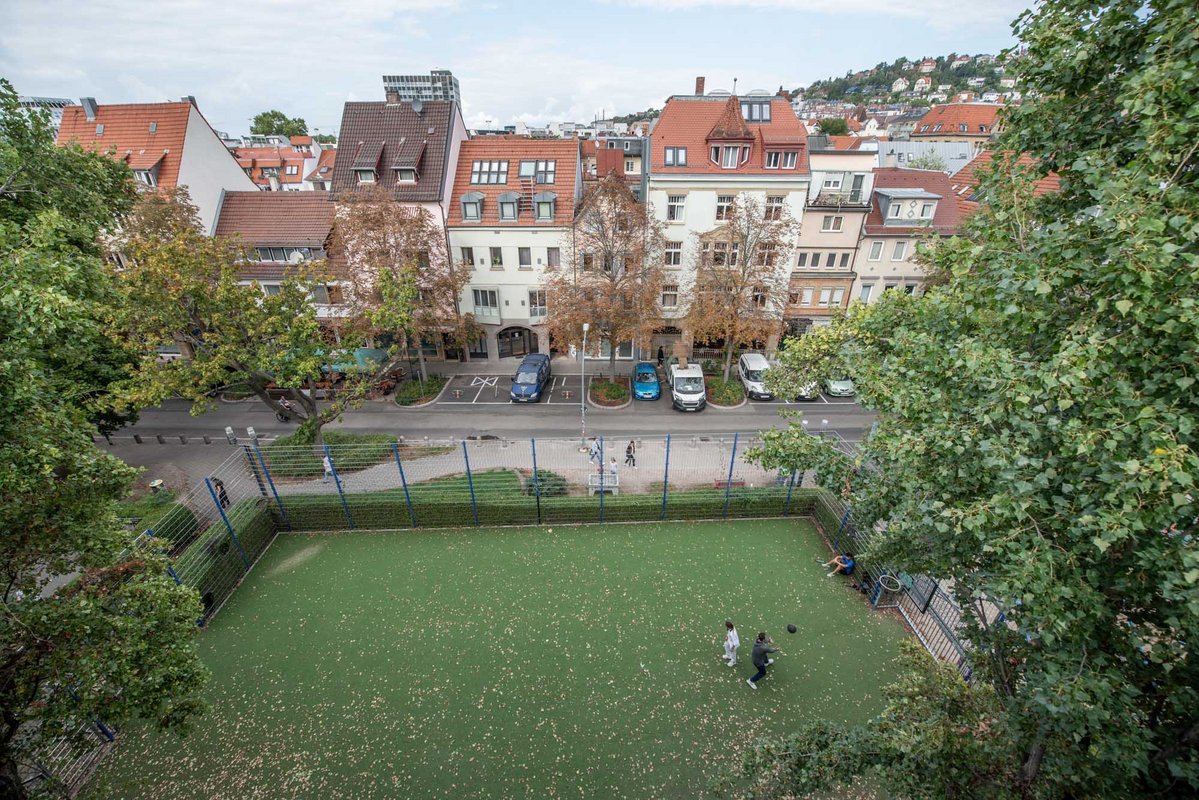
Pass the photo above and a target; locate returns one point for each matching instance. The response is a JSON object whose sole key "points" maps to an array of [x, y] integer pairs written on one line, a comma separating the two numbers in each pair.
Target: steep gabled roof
{"points": [[979, 120], [688, 121], [374, 135], [513, 150], [125, 129], [324, 166], [964, 182], [730, 124], [277, 219]]}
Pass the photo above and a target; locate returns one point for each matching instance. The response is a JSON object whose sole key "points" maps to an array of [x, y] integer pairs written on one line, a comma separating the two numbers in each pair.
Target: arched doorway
{"points": [[516, 342]]}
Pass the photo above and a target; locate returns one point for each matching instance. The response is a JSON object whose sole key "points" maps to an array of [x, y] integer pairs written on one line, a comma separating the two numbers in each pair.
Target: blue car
{"points": [[530, 379], [645, 382]]}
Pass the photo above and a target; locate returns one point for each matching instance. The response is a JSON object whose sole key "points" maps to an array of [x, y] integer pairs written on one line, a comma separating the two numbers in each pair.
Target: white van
{"points": [[752, 369], [687, 391]]}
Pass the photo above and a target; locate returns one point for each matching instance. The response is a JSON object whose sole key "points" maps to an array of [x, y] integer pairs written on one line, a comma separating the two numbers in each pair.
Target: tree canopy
{"points": [[91, 627], [1037, 444], [276, 122], [833, 126]]}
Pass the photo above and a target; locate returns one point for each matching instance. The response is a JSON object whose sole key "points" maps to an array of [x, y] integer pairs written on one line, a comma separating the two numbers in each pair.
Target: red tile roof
{"points": [[127, 132], [565, 154], [730, 124], [965, 181], [688, 121], [375, 134], [324, 166], [300, 140], [947, 219], [255, 158], [976, 120], [277, 219]]}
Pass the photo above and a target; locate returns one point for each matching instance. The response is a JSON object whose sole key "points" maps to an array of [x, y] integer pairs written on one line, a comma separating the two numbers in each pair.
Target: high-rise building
{"points": [[440, 84]]}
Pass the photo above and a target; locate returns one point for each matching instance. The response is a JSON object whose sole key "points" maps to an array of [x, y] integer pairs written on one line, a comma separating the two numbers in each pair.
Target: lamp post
{"points": [[583, 389]]}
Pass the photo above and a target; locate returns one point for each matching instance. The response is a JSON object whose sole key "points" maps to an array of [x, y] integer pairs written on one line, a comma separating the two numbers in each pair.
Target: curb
{"points": [[427, 402], [594, 404]]}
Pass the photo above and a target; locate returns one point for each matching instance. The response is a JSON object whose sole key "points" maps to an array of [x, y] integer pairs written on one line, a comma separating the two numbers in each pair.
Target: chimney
{"points": [[891, 160], [187, 98], [89, 108], [393, 97], [699, 85]]}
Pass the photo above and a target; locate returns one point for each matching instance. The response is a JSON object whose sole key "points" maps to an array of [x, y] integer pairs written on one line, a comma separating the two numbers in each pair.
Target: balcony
{"points": [[840, 199]]}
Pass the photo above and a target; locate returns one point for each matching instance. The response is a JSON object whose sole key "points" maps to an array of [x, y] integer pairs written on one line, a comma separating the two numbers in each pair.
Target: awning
{"points": [[144, 160]]}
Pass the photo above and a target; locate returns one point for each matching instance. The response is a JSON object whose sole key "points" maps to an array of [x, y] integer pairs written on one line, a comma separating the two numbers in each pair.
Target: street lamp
{"points": [[583, 381]]}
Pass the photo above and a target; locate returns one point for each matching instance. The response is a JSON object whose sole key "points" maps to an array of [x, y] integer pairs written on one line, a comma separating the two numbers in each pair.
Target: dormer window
{"points": [[270, 172], [755, 110], [365, 175], [539, 171], [472, 206], [731, 157], [894, 211], [927, 209], [145, 177], [544, 204], [509, 206], [790, 159], [676, 157], [773, 160], [405, 175]]}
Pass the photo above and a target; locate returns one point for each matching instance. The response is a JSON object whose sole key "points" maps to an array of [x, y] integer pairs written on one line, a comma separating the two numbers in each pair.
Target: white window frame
{"points": [[673, 254], [876, 251], [628, 166], [774, 207], [544, 210], [864, 295], [805, 297], [468, 255], [723, 203], [670, 290], [553, 257], [365, 175], [472, 210], [538, 304], [509, 210], [894, 211], [676, 207], [489, 172], [773, 159], [145, 177], [832, 181], [732, 153], [927, 210], [524, 257], [838, 298], [826, 296], [790, 159], [493, 262], [292, 169], [900, 252], [485, 309], [675, 157], [832, 223], [405, 175]]}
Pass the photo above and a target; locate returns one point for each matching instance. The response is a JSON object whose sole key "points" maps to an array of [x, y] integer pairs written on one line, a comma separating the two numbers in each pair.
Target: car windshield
{"points": [[753, 374], [843, 379], [526, 378], [647, 376], [690, 384]]}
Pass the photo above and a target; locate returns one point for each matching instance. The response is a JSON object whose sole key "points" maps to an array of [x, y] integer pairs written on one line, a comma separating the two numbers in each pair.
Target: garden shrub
{"points": [[295, 456], [725, 393], [412, 392], [609, 391]]}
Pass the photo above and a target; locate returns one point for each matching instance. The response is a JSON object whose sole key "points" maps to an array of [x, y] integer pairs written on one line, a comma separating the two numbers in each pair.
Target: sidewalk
{"points": [[559, 365]]}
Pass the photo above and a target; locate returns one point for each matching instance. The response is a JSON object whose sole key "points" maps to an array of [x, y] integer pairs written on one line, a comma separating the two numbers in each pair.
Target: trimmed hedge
{"points": [[292, 457], [413, 391], [212, 564], [453, 509]]}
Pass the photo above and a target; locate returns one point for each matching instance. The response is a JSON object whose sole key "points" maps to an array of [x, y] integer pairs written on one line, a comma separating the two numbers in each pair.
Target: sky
{"points": [[530, 61]]}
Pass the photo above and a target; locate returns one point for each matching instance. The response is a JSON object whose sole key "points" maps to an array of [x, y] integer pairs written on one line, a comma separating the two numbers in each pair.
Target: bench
{"points": [[611, 483], [735, 483]]}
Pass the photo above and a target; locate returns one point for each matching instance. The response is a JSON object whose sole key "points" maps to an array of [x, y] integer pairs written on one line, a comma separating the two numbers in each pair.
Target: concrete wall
{"points": [[885, 271]]}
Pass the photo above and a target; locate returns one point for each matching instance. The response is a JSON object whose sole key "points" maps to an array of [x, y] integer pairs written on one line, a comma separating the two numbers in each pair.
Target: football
{"points": [[791, 628]]}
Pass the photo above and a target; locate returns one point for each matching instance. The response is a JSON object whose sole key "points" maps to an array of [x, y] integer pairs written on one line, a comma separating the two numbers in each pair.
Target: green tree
{"points": [[1037, 440], [929, 160], [116, 640], [180, 287], [324, 138], [833, 126], [277, 123]]}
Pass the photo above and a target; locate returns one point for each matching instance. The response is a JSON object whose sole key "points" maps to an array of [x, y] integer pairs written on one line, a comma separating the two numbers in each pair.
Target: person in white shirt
{"points": [[328, 465], [731, 642]]}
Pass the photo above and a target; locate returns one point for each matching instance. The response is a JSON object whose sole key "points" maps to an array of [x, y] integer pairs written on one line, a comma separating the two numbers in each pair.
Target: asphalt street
{"points": [[476, 405]]}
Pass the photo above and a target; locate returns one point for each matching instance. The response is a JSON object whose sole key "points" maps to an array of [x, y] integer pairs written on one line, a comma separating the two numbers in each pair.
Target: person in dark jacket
{"points": [[761, 659], [661, 356]]}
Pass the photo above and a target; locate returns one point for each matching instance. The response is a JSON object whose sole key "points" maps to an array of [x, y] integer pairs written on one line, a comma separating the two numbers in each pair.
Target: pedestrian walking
{"points": [[761, 658], [630, 455], [612, 470], [595, 453], [661, 355], [222, 496], [328, 465], [731, 642]]}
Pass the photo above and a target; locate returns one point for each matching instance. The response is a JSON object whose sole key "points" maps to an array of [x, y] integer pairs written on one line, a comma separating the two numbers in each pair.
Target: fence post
{"points": [[395, 448], [174, 576], [728, 484], [274, 491], [790, 486], [665, 477], [536, 479], [841, 527], [221, 509], [254, 468], [471, 483], [337, 482], [601, 481]]}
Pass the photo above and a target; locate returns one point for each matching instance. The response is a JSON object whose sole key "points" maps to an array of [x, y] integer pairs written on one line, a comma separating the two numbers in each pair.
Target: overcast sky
{"points": [[532, 61]]}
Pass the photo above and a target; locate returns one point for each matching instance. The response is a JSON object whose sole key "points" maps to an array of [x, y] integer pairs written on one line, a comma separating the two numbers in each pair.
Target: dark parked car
{"points": [[530, 379]]}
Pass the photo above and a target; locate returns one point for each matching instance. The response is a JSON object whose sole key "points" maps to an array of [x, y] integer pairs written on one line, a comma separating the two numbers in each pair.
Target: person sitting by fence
{"points": [[844, 564]]}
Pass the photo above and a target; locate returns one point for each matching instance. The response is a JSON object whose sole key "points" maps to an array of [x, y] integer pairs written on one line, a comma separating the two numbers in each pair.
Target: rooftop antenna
{"points": [[734, 86]]}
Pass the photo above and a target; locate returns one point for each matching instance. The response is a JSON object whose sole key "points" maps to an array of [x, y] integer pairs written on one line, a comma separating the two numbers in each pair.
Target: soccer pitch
{"points": [[512, 663]]}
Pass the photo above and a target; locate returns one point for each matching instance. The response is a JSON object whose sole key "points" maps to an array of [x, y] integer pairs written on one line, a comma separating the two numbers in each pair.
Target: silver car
{"points": [[839, 387]]}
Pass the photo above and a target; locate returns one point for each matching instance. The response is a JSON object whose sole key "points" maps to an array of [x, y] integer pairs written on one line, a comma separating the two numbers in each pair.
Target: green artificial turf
{"points": [[512, 663]]}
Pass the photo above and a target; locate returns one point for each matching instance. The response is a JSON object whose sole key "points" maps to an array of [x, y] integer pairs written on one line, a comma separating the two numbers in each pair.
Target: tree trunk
{"points": [[1030, 767], [420, 361], [728, 358], [10, 779]]}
